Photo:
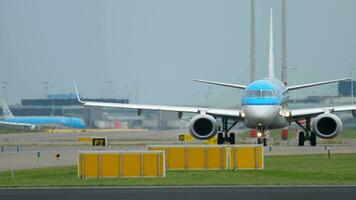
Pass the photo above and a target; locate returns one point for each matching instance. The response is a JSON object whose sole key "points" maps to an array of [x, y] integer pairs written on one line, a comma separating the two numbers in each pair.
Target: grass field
{"points": [[279, 170]]}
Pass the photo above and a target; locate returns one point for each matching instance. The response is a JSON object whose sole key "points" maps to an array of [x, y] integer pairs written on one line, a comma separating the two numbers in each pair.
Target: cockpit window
{"points": [[260, 93], [267, 93], [253, 93]]}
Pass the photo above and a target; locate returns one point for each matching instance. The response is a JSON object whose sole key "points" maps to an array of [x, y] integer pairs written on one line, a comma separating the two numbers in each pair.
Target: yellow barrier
{"points": [[109, 164], [84, 139], [213, 140], [187, 137], [246, 157], [194, 157]]}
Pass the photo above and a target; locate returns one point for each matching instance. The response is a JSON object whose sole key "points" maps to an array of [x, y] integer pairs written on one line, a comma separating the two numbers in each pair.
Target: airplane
{"points": [[264, 107], [33, 122]]}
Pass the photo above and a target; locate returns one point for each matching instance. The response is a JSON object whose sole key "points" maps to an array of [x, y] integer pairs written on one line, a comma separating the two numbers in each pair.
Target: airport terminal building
{"points": [[97, 117]]}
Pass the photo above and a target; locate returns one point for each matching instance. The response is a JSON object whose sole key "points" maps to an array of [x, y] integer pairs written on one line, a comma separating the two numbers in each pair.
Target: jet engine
{"points": [[327, 125], [203, 126]]}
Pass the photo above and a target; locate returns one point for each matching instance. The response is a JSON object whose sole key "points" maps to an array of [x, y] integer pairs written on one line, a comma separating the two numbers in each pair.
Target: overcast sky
{"points": [[150, 50]]}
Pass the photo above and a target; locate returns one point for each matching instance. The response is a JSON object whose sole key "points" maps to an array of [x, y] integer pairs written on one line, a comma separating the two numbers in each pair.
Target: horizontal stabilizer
{"points": [[315, 84], [221, 84]]}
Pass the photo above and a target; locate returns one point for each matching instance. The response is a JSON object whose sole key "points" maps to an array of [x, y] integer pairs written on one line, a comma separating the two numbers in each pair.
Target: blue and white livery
{"points": [[32, 122], [264, 107]]}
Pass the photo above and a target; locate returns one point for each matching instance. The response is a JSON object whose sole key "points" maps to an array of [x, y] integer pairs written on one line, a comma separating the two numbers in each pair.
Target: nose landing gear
{"points": [[262, 136]]}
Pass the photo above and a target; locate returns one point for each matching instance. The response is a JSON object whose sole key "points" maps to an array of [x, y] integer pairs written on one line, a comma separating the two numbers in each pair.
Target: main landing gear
{"points": [[225, 136], [307, 134]]}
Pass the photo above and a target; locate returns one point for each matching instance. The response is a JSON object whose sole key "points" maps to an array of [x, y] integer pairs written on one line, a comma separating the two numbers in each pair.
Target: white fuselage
{"points": [[263, 104]]}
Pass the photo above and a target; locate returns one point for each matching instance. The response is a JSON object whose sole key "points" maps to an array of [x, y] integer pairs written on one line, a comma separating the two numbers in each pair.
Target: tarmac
{"points": [[38, 150], [186, 193]]}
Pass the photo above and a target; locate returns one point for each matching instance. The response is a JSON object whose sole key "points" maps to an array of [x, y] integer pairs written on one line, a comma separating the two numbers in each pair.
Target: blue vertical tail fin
{"points": [[6, 110]]}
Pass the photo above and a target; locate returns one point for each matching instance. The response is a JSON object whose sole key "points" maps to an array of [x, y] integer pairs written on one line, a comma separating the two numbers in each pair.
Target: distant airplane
{"points": [[34, 121], [264, 107]]}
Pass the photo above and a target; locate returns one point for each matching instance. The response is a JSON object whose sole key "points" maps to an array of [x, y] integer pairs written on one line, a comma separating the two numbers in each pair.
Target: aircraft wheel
{"points": [[264, 141], [232, 138], [220, 138], [301, 138], [312, 139], [259, 141]]}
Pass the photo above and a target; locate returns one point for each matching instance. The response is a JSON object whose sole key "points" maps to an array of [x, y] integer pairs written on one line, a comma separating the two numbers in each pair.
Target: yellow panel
{"points": [[150, 165], [131, 165], [213, 140], [246, 158], [196, 158], [216, 158], [91, 168], [259, 159], [110, 165], [84, 139], [162, 164], [176, 158], [232, 158]]}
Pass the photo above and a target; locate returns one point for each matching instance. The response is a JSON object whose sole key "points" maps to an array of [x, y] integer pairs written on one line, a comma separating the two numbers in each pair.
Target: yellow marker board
{"points": [[246, 157], [84, 139], [194, 157], [186, 137], [105, 164], [99, 141]]}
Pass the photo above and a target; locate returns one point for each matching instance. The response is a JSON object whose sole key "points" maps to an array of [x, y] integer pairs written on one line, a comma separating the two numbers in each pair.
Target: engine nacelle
{"points": [[203, 126], [327, 125]]}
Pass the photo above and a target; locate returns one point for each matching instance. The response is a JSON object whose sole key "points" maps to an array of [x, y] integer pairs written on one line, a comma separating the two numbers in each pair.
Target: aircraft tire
{"points": [[232, 138], [220, 138], [301, 138], [264, 141], [259, 141], [312, 139]]}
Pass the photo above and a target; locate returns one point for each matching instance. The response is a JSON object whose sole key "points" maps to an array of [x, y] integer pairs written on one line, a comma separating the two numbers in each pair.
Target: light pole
{"points": [[4, 86], [351, 82], [160, 122], [111, 87], [294, 92], [136, 84], [45, 87]]}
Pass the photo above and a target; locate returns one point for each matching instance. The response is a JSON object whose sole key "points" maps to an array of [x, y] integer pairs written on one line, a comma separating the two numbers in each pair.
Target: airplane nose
{"points": [[263, 115]]}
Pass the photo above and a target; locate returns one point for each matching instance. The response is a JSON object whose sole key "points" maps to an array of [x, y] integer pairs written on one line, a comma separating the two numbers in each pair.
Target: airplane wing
{"points": [[180, 109], [221, 84], [315, 84], [312, 112], [9, 124]]}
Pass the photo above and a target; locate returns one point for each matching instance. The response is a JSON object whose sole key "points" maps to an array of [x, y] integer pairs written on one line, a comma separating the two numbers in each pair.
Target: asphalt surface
{"points": [[186, 193], [38, 150]]}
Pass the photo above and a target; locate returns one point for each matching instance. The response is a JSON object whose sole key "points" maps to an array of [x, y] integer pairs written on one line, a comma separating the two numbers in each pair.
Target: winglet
{"points": [[77, 93]]}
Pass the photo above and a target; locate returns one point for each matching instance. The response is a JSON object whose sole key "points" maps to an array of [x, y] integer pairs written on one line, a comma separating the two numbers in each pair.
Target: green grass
{"points": [[279, 170]]}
